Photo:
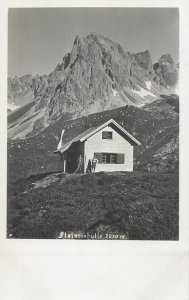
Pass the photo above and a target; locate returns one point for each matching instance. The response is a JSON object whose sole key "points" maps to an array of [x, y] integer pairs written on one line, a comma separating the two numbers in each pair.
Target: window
{"points": [[110, 158], [107, 135]]}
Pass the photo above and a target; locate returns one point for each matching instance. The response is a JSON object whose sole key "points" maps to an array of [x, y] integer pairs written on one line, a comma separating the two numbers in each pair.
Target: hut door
{"points": [[71, 162]]}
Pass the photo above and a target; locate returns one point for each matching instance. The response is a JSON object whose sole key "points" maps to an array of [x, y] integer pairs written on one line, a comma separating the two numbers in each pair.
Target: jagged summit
{"points": [[96, 75], [144, 60], [166, 71], [166, 58]]}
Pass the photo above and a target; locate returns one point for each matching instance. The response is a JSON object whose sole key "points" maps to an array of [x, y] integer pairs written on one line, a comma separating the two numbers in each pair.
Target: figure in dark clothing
{"points": [[80, 164], [88, 170]]}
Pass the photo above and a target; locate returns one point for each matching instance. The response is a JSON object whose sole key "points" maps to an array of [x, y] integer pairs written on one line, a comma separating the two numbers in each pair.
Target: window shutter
{"points": [[98, 156], [120, 158], [104, 135]]}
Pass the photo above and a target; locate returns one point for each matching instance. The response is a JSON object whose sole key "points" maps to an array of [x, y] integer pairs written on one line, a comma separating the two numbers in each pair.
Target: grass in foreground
{"points": [[143, 206]]}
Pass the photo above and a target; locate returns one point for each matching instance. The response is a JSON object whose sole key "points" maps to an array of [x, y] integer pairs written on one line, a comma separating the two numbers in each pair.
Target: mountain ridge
{"points": [[97, 75]]}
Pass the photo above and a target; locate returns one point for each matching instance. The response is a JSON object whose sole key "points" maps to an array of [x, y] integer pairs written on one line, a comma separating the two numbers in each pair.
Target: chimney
{"points": [[60, 144]]}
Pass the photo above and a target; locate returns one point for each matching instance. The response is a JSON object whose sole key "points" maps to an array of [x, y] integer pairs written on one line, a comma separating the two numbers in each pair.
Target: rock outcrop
{"points": [[166, 72]]}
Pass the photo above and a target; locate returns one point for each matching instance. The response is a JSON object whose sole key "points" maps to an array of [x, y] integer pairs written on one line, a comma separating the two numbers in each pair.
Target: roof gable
{"points": [[115, 126], [91, 131]]}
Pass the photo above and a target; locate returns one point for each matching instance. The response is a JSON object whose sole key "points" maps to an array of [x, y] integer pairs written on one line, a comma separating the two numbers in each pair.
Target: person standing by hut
{"points": [[89, 166], [80, 164], [94, 162]]}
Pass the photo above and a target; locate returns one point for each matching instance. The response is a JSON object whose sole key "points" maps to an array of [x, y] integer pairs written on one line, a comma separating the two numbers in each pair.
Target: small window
{"points": [[109, 158], [107, 135]]}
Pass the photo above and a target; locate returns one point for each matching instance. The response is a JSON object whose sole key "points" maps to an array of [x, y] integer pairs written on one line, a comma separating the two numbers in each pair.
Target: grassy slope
{"points": [[140, 205]]}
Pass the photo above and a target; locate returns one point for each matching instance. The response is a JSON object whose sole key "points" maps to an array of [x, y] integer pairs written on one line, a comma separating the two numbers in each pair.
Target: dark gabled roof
{"points": [[91, 131], [75, 139]]}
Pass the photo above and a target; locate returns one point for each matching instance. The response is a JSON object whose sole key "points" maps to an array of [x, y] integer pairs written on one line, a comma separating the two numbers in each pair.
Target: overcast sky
{"points": [[38, 38]]}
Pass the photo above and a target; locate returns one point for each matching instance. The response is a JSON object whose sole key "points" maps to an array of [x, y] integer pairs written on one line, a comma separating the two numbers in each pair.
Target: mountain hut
{"points": [[109, 143]]}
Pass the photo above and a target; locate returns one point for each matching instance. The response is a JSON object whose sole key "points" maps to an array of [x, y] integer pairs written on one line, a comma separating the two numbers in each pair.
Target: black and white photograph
{"points": [[93, 123]]}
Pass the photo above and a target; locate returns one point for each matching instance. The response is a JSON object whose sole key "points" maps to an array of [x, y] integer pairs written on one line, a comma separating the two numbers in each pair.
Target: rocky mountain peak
{"points": [[166, 59], [96, 75], [166, 71], [144, 60]]}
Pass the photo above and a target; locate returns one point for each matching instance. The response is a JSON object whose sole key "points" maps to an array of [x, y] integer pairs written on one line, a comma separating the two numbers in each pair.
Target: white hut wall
{"points": [[118, 145]]}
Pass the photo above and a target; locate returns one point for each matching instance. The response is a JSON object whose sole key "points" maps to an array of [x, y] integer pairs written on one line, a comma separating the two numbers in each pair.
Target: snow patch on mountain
{"points": [[148, 85], [141, 105], [12, 106], [114, 92], [144, 93]]}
